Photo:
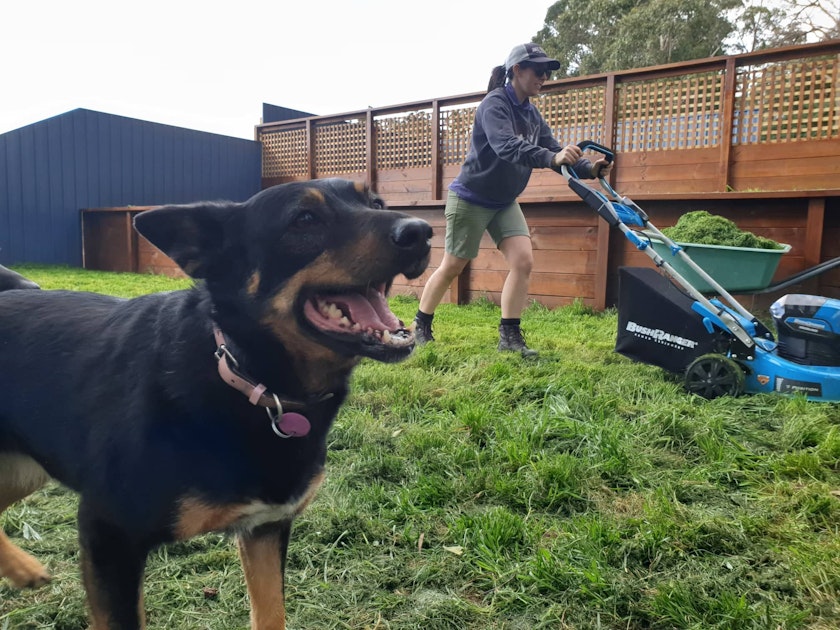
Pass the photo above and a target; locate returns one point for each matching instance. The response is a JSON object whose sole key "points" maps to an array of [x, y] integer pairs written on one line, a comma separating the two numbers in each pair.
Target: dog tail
{"points": [[13, 280]]}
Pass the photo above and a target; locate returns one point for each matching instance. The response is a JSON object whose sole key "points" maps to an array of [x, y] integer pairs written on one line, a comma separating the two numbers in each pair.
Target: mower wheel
{"points": [[713, 375]]}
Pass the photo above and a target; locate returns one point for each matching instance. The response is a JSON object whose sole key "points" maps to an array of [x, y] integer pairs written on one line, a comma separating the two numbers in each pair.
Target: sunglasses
{"points": [[540, 69]]}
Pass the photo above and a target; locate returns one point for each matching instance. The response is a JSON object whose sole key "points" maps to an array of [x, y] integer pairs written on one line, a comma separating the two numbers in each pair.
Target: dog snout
{"points": [[412, 237], [412, 234]]}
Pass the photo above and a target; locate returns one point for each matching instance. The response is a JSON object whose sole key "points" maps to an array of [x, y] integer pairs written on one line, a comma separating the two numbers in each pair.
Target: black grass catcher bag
{"points": [[656, 324]]}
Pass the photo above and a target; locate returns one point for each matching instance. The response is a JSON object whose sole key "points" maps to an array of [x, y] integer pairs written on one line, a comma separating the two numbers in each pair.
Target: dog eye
{"points": [[306, 219], [377, 204]]}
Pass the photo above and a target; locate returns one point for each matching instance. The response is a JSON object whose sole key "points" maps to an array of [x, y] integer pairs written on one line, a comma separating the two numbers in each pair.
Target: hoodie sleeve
{"points": [[583, 168], [496, 119]]}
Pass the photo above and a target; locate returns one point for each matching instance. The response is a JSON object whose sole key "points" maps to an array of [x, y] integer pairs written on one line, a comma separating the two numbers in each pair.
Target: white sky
{"points": [[210, 65]]}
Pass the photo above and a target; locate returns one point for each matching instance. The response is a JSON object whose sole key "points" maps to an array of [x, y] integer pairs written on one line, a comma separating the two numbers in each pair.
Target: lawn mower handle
{"points": [[594, 198], [609, 155]]}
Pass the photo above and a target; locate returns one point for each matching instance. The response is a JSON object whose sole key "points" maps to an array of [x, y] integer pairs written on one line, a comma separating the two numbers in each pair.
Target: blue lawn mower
{"points": [[714, 343]]}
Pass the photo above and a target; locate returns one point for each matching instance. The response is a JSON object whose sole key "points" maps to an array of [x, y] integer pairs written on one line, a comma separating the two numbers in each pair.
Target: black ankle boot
{"points": [[512, 339], [422, 332]]}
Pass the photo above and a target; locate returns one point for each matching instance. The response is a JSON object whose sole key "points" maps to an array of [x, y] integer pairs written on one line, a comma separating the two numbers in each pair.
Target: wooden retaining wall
{"points": [[110, 243], [576, 254]]}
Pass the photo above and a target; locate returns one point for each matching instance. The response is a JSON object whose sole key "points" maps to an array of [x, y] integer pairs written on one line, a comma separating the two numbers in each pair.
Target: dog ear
{"points": [[196, 236]]}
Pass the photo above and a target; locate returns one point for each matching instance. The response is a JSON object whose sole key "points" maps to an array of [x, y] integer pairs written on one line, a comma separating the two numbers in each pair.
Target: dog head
{"points": [[308, 262]]}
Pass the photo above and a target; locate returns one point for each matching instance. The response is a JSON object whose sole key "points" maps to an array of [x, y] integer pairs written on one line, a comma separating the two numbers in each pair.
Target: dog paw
{"points": [[23, 571]]}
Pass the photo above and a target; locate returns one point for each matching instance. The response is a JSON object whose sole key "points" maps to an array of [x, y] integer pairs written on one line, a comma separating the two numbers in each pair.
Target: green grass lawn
{"points": [[472, 490]]}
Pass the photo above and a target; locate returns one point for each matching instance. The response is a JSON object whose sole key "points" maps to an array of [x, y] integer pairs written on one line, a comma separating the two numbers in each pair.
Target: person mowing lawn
{"points": [[509, 139]]}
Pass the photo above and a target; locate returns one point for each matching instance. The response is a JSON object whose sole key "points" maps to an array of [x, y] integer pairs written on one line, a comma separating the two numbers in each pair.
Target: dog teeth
{"points": [[331, 311], [394, 338], [397, 338]]}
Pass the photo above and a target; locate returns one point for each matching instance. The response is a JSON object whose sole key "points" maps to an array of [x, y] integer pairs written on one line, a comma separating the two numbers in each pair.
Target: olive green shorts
{"points": [[466, 223]]}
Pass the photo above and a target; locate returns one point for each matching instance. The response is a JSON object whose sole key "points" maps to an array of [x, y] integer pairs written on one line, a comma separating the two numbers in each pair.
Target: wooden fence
{"points": [[699, 126], [755, 137]]}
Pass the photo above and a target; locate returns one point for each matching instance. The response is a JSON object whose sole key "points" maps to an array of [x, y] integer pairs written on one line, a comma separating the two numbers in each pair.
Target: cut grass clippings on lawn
{"points": [[468, 489]]}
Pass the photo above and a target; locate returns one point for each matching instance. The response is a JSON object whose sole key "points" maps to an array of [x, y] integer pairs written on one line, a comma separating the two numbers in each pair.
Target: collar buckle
{"points": [[222, 352], [285, 425]]}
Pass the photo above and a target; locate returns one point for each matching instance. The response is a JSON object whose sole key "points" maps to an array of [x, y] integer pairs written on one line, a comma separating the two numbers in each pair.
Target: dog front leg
{"points": [[112, 571], [263, 555]]}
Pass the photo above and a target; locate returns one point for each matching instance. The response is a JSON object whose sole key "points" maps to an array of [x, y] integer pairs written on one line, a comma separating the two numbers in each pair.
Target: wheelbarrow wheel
{"points": [[713, 375]]}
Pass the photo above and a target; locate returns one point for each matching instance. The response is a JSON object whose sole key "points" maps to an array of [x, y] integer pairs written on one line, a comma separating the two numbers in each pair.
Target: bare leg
{"points": [[520, 258], [438, 283]]}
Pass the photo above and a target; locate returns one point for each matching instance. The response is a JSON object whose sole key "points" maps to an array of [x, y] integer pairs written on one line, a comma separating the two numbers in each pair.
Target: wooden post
{"points": [[130, 242], [459, 290], [602, 252], [814, 237], [310, 149], [437, 167], [602, 264], [608, 132], [370, 150], [814, 231], [727, 114]]}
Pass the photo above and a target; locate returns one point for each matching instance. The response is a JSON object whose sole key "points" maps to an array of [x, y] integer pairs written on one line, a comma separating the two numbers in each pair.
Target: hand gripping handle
{"points": [[609, 155]]}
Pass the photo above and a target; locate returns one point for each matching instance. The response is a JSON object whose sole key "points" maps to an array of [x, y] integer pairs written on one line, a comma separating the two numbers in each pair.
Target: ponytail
{"points": [[497, 78]]}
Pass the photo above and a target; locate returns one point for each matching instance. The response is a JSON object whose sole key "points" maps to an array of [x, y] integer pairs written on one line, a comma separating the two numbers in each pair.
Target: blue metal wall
{"points": [[52, 169], [275, 113]]}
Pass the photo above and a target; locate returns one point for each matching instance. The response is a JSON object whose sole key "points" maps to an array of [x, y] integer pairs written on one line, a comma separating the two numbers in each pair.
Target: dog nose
{"points": [[413, 240], [412, 234]]}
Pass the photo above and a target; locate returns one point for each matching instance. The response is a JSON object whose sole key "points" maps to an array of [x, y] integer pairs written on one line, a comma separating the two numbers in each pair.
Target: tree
{"points": [[576, 31], [665, 31], [769, 24], [591, 36], [818, 19], [758, 26]]}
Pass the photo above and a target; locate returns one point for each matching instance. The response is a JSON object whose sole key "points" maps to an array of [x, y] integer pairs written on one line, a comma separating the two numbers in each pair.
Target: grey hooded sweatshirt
{"points": [[509, 140]]}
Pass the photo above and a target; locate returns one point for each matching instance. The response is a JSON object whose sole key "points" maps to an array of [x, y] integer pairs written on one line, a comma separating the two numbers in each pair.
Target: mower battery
{"points": [[808, 329]]}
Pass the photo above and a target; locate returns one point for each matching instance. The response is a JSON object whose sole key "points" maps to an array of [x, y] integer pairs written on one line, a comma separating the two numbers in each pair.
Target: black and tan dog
{"points": [[207, 409]]}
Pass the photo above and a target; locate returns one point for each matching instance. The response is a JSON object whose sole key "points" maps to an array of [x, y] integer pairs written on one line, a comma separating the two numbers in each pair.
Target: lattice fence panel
{"points": [[788, 101], [455, 129], [404, 141], [681, 112], [574, 115], [284, 153], [340, 148]]}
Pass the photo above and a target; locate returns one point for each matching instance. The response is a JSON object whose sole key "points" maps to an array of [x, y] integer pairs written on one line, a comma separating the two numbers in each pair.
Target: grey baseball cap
{"points": [[531, 53]]}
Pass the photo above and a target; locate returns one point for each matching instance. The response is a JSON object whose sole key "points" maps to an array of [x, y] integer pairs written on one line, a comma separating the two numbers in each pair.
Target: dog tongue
{"points": [[372, 312]]}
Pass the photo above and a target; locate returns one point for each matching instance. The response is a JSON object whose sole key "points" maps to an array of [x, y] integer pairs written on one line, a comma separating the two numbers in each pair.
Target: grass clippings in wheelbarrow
{"points": [[704, 228]]}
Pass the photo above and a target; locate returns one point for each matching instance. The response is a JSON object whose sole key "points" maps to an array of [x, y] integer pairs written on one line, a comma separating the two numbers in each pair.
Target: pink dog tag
{"points": [[293, 424]]}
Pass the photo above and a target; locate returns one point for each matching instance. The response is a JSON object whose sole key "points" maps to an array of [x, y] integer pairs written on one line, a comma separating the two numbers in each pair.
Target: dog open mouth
{"points": [[361, 321]]}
